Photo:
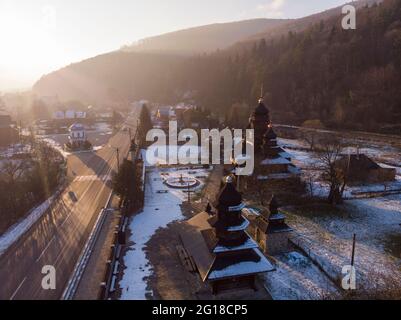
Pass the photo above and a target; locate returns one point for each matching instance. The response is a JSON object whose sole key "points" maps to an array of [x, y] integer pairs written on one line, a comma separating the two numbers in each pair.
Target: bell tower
{"points": [[259, 122]]}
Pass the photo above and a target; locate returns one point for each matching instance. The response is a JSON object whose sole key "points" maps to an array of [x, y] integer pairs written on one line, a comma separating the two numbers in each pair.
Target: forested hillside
{"points": [[205, 39], [345, 78]]}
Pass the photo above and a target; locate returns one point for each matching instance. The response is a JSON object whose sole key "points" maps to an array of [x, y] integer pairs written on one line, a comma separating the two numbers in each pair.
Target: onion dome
{"points": [[261, 109], [209, 209], [273, 206], [229, 198]]}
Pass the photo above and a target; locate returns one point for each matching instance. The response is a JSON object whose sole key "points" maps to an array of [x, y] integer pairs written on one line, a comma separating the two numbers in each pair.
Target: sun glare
{"points": [[28, 46]]}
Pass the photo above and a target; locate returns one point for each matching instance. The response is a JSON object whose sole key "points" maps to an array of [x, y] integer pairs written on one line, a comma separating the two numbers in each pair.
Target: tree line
{"points": [[346, 79], [28, 181]]}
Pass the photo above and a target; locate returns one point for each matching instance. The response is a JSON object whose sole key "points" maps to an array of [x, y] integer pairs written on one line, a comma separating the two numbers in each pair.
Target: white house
{"points": [[70, 114], [77, 133], [80, 114], [59, 115]]}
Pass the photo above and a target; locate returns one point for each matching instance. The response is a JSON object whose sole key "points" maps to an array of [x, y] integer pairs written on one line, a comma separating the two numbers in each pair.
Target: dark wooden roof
{"points": [[278, 228], [228, 196], [199, 239], [270, 134], [261, 109], [271, 227], [196, 237], [358, 162], [248, 262]]}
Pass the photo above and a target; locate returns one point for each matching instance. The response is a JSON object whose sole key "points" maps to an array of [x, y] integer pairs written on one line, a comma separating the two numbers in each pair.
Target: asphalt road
{"points": [[58, 238]]}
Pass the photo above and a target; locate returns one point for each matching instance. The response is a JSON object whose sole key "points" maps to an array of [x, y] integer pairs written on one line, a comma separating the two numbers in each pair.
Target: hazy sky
{"points": [[38, 36]]}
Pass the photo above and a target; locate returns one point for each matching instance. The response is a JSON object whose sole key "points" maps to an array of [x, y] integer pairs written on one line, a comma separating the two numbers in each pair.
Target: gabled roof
{"points": [[277, 160], [245, 263], [196, 237], [77, 127], [360, 162]]}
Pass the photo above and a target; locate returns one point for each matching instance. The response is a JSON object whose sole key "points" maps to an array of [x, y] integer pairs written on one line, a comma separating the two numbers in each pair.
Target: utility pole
{"points": [[19, 132], [238, 182], [353, 250], [189, 193], [118, 159]]}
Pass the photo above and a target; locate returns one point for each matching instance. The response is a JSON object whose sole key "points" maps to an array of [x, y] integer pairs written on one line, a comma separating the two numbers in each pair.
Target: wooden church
{"points": [[272, 161], [225, 255], [269, 229]]}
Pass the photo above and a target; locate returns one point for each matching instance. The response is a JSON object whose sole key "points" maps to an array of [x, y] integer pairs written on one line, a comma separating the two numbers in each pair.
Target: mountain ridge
{"points": [[324, 72], [205, 38]]}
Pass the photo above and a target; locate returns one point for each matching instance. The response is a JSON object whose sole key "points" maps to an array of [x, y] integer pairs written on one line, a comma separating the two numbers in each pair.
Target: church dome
{"points": [[229, 197], [261, 109]]}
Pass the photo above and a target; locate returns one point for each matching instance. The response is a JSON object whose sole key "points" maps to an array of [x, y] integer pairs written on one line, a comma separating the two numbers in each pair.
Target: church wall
{"points": [[277, 243]]}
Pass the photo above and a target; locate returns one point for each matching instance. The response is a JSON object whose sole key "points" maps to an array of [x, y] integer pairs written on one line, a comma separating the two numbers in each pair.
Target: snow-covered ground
{"points": [[309, 162], [328, 236], [98, 135], [376, 223], [297, 278], [162, 206], [17, 230], [15, 149]]}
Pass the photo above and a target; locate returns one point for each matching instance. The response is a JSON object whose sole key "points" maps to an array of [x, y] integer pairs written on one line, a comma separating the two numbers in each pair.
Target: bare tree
{"points": [[334, 172], [309, 178], [310, 137], [13, 170]]}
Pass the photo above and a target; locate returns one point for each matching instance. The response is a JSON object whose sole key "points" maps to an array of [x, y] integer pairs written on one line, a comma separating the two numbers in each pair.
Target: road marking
{"points": [[44, 250], [66, 247], [19, 287], [92, 178]]}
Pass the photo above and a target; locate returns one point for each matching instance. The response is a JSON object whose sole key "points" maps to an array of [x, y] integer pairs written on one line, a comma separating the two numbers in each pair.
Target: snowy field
{"points": [[14, 150], [376, 223], [297, 278], [162, 206], [328, 236], [309, 162]]}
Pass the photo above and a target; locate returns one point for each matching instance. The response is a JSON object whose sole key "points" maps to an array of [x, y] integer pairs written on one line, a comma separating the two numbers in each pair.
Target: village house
{"points": [[162, 118], [77, 137], [8, 134], [362, 169]]}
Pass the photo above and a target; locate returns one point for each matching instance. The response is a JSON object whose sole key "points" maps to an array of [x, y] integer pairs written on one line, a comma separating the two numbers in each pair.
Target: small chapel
{"points": [[269, 228]]}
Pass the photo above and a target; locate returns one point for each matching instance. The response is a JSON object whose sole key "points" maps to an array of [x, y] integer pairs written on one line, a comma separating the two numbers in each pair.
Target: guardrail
{"points": [[109, 286], [80, 266]]}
